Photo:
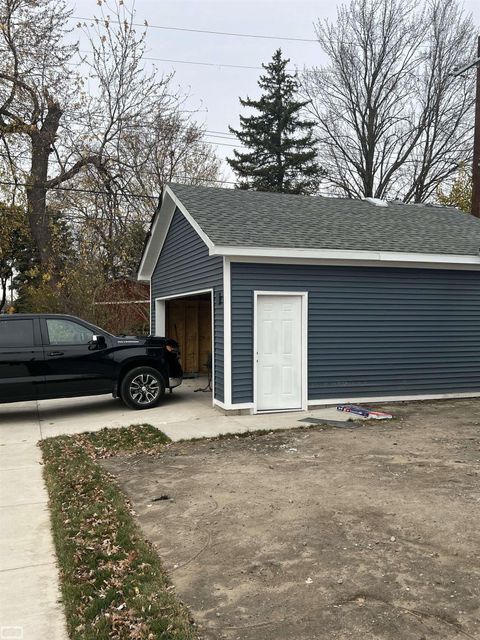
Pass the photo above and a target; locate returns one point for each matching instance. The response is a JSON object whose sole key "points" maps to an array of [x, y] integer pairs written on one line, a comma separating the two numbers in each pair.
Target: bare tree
{"points": [[114, 212], [445, 102], [170, 148], [392, 121], [146, 139], [84, 128], [35, 85]]}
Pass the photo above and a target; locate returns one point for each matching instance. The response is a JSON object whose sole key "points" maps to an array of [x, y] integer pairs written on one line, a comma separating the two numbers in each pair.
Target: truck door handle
{"points": [[56, 353]]}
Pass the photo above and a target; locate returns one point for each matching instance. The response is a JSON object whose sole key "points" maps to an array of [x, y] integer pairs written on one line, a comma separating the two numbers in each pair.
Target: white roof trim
{"points": [[349, 255], [146, 268], [161, 225], [357, 263]]}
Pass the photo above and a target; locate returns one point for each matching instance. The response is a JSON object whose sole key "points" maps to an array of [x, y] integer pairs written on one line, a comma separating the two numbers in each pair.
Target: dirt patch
{"points": [[329, 534]]}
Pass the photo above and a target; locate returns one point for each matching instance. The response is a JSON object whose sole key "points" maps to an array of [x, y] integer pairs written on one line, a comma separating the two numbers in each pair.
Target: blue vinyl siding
{"points": [[183, 266], [371, 331]]}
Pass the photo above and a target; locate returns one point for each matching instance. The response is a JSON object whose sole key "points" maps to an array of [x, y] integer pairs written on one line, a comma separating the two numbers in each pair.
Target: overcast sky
{"points": [[215, 90]]}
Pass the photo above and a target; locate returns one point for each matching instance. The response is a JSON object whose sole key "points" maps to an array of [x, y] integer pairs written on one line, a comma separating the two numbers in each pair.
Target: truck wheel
{"points": [[142, 388]]}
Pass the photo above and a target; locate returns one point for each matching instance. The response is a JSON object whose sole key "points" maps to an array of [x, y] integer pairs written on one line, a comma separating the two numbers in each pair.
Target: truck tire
{"points": [[142, 388]]}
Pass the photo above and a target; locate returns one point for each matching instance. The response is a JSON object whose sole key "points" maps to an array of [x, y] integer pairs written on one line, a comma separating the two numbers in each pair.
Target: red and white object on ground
{"points": [[365, 413]]}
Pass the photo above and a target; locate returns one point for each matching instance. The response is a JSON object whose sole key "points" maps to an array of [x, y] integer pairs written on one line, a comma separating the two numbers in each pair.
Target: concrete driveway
{"points": [[33, 421], [29, 594], [184, 414]]}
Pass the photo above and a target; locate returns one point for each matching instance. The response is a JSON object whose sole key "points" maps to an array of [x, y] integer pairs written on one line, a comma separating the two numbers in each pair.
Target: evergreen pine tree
{"points": [[281, 153]]}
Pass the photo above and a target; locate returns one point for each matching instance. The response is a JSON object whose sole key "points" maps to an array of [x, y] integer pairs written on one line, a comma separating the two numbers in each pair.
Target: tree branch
{"points": [[94, 160]]}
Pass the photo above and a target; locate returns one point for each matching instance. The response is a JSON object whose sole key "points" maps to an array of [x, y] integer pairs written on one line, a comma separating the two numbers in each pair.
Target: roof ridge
{"points": [[312, 197]]}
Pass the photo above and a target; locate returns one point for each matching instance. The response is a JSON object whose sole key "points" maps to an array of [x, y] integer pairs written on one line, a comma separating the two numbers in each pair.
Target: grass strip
{"points": [[112, 581]]}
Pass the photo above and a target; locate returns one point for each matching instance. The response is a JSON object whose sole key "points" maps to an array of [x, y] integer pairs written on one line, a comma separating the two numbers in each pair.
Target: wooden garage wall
{"points": [[189, 322]]}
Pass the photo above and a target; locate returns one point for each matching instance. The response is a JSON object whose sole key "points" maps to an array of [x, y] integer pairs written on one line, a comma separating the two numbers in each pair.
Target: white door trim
{"points": [[160, 323], [304, 298], [227, 334]]}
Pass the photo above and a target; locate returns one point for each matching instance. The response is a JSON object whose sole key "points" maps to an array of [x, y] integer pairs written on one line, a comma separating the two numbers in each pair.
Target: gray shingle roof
{"points": [[233, 217]]}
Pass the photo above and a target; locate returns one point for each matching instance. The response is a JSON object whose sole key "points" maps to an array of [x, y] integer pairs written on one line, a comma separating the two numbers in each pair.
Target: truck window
{"points": [[16, 333], [66, 332]]}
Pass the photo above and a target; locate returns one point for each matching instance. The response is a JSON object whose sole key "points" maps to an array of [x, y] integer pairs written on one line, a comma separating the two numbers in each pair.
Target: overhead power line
{"points": [[213, 133], [211, 64], [214, 33], [223, 144], [208, 64], [219, 65], [12, 183]]}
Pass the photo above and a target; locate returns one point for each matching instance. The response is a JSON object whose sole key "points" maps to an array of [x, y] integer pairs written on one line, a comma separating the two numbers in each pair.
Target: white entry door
{"points": [[279, 352]]}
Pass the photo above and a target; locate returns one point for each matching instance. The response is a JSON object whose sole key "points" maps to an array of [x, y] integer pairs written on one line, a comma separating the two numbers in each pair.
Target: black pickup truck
{"points": [[60, 356]]}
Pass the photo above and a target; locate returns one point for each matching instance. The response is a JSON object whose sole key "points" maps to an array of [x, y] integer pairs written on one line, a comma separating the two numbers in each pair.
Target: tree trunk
{"points": [[3, 294], [38, 220]]}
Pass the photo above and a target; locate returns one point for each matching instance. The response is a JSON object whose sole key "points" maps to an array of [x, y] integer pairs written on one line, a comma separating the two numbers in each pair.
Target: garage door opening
{"points": [[188, 320]]}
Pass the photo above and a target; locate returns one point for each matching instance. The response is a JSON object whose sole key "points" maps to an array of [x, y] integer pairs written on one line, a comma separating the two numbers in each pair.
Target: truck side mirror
{"points": [[98, 342]]}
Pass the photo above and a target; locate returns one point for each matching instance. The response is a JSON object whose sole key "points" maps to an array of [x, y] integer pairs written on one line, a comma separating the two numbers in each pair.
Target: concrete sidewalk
{"points": [[30, 607], [29, 594]]}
